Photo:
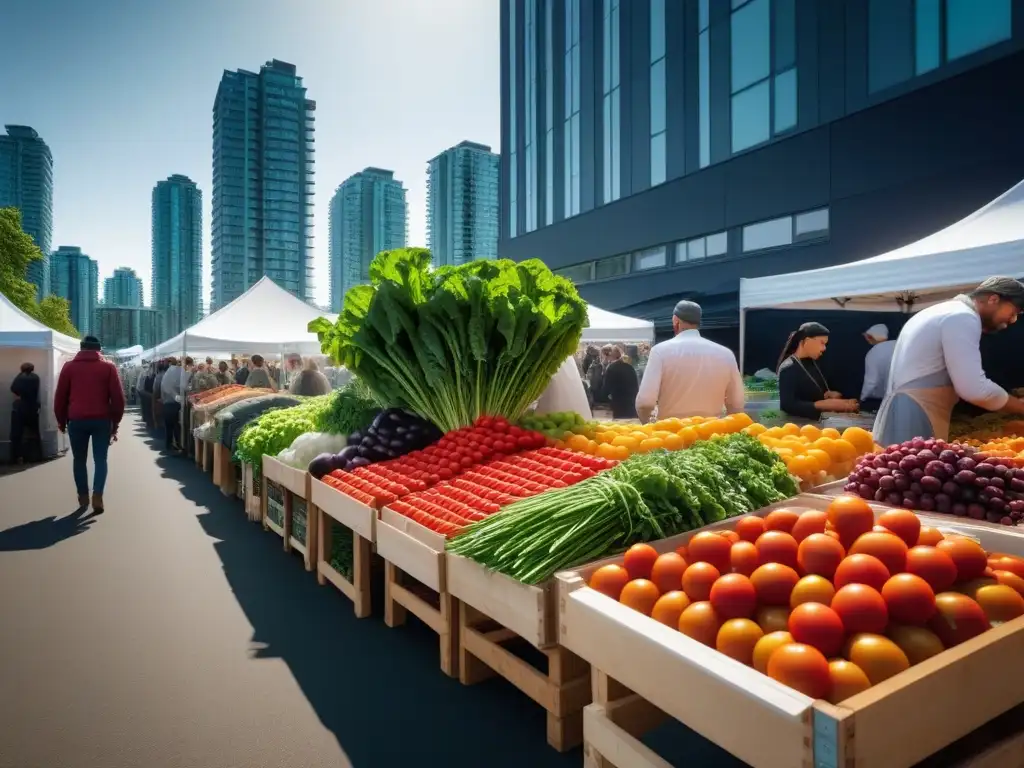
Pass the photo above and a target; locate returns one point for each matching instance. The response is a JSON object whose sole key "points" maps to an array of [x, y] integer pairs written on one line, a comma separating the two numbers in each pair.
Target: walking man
{"points": [[25, 410], [89, 404]]}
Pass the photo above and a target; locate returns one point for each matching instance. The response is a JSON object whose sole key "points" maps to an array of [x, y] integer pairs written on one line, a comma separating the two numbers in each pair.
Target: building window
{"points": [[612, 111], [649, 258], [812, 223], [764, 75], [907, 38], [572, 108], [786, 230], [704, 80], [549, 113], [530, 87], [700, 248], [578, 273], [658, 93], [613, 266], [513, 171]]}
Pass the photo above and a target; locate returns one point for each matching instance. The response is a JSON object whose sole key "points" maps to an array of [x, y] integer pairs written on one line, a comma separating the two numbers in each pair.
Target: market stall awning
{"points": [[605, 326], [20, 330], [988, 242]]}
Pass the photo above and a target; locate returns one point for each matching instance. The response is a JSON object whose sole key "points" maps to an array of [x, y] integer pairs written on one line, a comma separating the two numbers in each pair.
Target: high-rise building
{"points": [[263, 128], [75, 277], [657, 150], [122, 327], [123, 289], [26, 182], [462, 204], [177, 253], [368, 215]]}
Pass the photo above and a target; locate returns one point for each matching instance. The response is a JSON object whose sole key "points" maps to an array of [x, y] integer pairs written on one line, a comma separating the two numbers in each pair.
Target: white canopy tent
{"points": [[605, 326], [265, 320], [24, 339], [988, 242]]}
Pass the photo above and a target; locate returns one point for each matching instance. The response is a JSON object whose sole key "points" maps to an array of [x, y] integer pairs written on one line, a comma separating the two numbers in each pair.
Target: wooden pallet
{"points": [[414, 581], [495, 614], [293, 486], [329, 507]]}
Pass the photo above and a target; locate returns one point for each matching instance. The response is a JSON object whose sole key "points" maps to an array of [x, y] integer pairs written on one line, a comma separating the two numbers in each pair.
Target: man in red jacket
{"points": [[89, 404]]}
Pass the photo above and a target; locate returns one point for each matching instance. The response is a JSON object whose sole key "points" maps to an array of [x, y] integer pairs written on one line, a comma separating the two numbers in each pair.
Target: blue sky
{"points": [[122, 91]]}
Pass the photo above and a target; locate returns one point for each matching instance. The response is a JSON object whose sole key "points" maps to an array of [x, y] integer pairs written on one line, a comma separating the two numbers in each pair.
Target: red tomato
{"points": [[777, 547], [698, 579], [802, 668], [909, 598], [708, 547], [817, 625], [903, 523], [744, 558], [781, 520], [887, 547], [811, 521], [861, 569], [733, 596], [851, 517], [933, 565], [861, 608], [749, 528], [667, 572], [967, 555], [958, 618], [639, 560], [820, 554], [774, 583]]}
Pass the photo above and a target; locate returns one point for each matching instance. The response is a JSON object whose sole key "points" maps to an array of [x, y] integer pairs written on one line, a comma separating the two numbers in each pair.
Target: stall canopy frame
{"points": [[609, 327]]}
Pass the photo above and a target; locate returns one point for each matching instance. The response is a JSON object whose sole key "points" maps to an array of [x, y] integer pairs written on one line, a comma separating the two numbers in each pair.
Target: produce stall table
{"points": [[285, 495], [645, 671], [494, 612], [415, 579], [333, 512]]}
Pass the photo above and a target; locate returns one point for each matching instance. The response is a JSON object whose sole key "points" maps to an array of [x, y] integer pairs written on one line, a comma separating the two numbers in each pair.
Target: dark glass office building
{"points": [[654, 150]]}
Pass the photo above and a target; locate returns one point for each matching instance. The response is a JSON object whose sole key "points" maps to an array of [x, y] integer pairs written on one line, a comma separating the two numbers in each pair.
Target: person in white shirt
{"points": [[565, 392], [876, 366], [689, 375], [171, 391], [937, 361]]}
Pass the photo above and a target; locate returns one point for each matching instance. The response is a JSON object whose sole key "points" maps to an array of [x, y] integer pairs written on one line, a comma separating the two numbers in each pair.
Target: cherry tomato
{"points": [[743, 557], [774, 582], [802, 668], [749, 527], [669, 607], [861, 608], [861, 569], [698, 579], [777, 547], [817, 625], [609, 580], [878, 656], [903, 523], [811, 521], [851, 517], [766, 646], [640, 595], [958, 618], [781, 520], [700, 622], [733, 596], [708, 547], [967, 555], [933, 565], [639, 560], [820, 554], [918, 643], [909, 599], [887, 547], [812, 589], [847, 680], [736, 639]]}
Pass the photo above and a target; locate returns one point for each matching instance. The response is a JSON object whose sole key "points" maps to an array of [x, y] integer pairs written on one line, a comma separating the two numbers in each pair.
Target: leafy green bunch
{"points": [[351, 408], [273, 431], [455, 343]]}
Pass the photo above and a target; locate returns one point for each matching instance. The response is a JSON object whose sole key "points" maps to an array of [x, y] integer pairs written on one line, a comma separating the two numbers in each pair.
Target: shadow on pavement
{"points": [[40, 534], [379, 690]]}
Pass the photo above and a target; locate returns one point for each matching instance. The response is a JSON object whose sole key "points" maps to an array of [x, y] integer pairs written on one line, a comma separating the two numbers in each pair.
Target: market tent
{"points": [[266, 320], [607, 326], [23, 339]]}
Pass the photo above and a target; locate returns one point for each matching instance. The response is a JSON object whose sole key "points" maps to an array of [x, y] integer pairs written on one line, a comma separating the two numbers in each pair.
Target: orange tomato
{"points": [[861, 608], [683, 551], [851, 517], [1007, 563], [732, 536], [774, 583], [933, 565], [708, 547], [887, 547], [802, 668], [640, 595], [700, 622], [773, 618], [817, 625], [820, 555], [733, 596], [749, 528], [811, 521], [736, 639], [639, 560], [970, 588], [967, 555], [781, 520], [861, 569], [958, 618], [909, 598], [847, 680], [697, 580], [667, 572], [777, 547], [609, 580], [1000, 603], [744, 558], [670, 607], [878, 656], [903, 523], [1011, 580], [929, 536], [812, 589], [766, 646], [918, 643]]}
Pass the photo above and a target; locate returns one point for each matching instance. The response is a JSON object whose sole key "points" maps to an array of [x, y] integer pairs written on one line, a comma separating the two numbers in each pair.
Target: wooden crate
{"points": [[645, 666], [251, 497], [297, 516], [415, 580], [494, 612], [224, 475], [330, 507]]}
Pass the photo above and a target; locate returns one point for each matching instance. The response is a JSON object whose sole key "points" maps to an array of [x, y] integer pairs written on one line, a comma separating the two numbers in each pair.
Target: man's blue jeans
{"points": [[79, 434]]}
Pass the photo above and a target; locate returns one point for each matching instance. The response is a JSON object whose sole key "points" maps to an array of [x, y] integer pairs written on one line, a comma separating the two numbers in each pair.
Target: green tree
{"points": [[17, 251]]}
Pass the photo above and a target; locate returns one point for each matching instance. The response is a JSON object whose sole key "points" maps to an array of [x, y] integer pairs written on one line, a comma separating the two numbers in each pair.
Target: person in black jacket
{"points": [[620, 386], [25, 410], [803, 390]]}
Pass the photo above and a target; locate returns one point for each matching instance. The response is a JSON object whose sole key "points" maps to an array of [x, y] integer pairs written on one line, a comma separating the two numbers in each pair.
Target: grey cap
{"points": [[1007, 288], [687, 312]]}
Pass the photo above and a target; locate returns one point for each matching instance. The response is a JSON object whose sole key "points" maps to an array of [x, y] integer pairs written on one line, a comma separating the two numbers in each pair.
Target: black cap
{"points": [[1006, 288], [91, 343], [687, 312]]}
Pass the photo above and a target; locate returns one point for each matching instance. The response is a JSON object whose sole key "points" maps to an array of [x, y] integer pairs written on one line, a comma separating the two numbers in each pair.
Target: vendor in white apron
{"points": [[937, 361]]}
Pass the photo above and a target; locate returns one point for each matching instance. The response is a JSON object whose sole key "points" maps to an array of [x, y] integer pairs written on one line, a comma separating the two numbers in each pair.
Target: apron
{"points": [[919, 408]]}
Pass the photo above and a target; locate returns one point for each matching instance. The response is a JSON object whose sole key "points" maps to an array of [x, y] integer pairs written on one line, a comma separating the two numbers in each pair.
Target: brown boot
{"points": [[83, 500], [97, 503]]}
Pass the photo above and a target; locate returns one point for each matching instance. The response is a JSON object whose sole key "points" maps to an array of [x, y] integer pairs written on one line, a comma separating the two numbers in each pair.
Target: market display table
{"points": [[284, 506], [345, 534]]}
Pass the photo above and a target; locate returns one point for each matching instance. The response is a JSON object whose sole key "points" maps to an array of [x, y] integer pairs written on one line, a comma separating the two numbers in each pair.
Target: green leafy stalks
{"points": [[453, 343], [645, 498], [273, 431], [351, 408]]}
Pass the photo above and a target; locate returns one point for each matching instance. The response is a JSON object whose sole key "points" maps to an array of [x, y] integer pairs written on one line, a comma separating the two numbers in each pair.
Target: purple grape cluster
{"points": [[936, 476]]}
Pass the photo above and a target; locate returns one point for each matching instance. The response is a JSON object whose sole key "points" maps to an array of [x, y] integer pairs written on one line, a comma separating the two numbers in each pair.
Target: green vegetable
{"points": [[454, 343], [645, 498], [350, 408], [273, 431]]}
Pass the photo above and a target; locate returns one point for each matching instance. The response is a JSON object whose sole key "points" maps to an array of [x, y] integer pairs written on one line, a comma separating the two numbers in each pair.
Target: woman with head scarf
{"points": [[803, 389]]}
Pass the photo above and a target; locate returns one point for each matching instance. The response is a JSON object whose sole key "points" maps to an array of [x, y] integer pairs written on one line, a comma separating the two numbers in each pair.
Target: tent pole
{"points": [[743, 337]]}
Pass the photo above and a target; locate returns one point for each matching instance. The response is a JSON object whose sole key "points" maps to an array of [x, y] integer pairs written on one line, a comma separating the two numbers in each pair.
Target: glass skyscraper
{"points": [[121, 327], [26, 182], [177, 253], [123, 289], [462, 204], [263, 128], [368, 215], [75, 277]]}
